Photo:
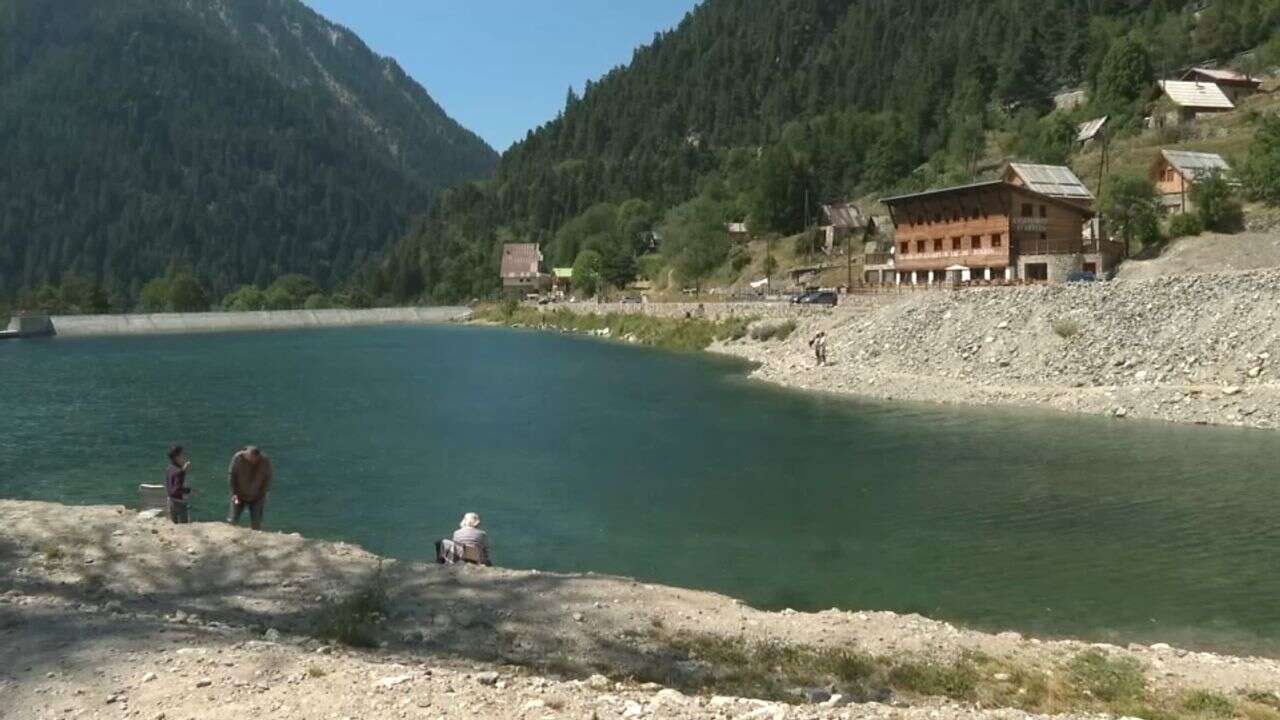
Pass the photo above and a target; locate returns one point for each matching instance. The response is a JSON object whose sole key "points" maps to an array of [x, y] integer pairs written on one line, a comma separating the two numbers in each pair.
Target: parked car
{"points": [[821, 297], [631, 300], [1081, 276]]}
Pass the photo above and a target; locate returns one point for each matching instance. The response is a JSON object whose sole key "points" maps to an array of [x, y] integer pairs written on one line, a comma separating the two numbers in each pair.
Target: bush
{"points": [[317, 302], [767, 330], [247, 298], [1185, 225], [1215, 203], [1106, 678], [1066, 329], [353, 620]]}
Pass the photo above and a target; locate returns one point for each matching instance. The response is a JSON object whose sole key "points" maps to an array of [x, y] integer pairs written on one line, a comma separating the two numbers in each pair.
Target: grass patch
{"points": [[1106, 678], [53, 553], [685, 334], [315, 671], [958, 680], [1066, 329], [354, 619], [1207, 703]]}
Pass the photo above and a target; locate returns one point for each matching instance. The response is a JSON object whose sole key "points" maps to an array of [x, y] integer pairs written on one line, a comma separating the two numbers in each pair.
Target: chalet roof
{"points": [[988, 185], [520, 260], [1089, 130], [1195, 165], [1052, 180], [1223, 76], [845, 215], [1196, 95], [563, 273], [737, 228]]}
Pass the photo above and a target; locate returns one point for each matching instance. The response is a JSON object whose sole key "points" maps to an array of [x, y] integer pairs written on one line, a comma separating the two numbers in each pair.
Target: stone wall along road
{"points": [[180, 323]]}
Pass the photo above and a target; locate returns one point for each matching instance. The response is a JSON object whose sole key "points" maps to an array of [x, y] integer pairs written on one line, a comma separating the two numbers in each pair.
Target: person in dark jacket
{"points": [[175, 485], [250, 478]]}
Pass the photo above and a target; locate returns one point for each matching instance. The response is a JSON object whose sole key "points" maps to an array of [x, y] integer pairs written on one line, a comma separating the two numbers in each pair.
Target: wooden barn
{"points": [[1185, 101], [990, 232]]}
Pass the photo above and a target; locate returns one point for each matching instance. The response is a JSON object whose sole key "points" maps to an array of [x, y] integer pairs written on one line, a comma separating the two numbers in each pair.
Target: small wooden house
{"points": [[843, 221], [738, 231], [1235, 85], [1174, 172], [1184, 101]]}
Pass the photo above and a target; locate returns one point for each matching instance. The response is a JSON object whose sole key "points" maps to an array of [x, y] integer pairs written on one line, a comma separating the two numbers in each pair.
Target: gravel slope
{"points": [[107, 614]]}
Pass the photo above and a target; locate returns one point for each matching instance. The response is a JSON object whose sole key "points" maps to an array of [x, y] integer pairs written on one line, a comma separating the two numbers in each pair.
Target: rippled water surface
{"points": [[584, 455]]}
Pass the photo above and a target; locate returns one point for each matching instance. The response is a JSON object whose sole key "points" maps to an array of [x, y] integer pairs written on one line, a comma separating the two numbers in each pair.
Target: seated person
{"points": [[469, 544]]}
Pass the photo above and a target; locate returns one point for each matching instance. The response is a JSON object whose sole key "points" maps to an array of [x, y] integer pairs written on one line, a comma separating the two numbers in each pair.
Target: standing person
{"points": [[175, 486], [819, 345], [250, 477]]}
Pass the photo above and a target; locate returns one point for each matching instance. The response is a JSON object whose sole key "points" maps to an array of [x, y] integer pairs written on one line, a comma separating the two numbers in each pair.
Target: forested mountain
{"points": [[752, 105], [242, 139]]}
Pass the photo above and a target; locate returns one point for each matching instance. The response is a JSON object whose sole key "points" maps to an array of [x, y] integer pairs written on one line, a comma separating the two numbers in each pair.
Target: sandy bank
{"points": [[104, 613], [178, 323]]}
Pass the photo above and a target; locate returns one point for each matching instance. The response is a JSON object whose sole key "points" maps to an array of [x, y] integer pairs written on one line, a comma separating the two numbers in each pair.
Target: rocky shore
{"points": [[1189, 349], [108, 614]]}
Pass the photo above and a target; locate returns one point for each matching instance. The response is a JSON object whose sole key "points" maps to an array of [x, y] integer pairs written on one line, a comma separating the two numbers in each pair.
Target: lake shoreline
{"points": [[143, 596], [1193, 350]]}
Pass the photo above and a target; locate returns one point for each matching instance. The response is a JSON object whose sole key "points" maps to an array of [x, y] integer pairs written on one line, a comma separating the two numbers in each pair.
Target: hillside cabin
{"points": [[1174, 172], [562, 281], [994, 231], [843, 221], [738, 232], [1070, 99], [1184, 101], [1235, 85], [522, 270]]}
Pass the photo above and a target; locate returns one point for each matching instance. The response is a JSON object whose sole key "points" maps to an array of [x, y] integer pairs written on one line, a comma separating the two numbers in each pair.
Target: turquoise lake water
{"points": [[585, 455]]}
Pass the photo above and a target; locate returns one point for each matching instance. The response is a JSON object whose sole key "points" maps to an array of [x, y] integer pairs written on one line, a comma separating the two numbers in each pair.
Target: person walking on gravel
{"points": [[250, 477], [819, 345], [175, 486]]}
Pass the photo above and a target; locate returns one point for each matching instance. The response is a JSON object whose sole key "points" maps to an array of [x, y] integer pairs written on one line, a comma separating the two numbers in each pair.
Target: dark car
{"points": [[1082, 276], [823, 297]]}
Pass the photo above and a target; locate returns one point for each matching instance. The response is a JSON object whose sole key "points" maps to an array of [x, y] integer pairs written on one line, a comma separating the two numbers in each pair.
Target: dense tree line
{"points": [[752, 107], [139, 133]]}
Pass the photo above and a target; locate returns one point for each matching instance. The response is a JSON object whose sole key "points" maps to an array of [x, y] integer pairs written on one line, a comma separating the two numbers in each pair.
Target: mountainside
{"points": [[242, 138], [757, 105]]}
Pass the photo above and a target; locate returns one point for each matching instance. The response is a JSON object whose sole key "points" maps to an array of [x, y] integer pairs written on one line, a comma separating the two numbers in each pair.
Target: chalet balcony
{"points": [[984, 257], [1050, 247], [882, 259]]}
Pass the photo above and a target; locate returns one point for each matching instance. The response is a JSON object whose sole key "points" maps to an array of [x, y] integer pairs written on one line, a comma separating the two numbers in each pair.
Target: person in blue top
{"points": [[175, 485]]}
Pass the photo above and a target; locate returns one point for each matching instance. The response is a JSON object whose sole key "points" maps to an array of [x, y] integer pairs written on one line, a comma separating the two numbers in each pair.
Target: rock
{"points": [[1001, 677], [599, 682], [488, 678], [579, 617], [393, 680], [149, 677], [534, 705], [204, 683], [632, 709], [1232, 390], [155, 514], [271, 635], [816, 696], [669, 697], [1161, 647]]}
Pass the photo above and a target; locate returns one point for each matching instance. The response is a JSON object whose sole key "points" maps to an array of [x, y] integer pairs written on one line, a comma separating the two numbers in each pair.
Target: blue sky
{"points": [[503, 67]]}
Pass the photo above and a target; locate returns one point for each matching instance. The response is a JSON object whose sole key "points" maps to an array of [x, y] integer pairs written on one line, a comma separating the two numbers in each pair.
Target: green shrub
{"points": [[1208, 703], [354, 619], [1106, 678], [1185, 225], [317, 301], [772, 330]]}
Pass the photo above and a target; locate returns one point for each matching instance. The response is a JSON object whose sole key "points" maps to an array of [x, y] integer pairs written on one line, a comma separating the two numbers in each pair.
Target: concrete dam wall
{"points": [[181, 323]]}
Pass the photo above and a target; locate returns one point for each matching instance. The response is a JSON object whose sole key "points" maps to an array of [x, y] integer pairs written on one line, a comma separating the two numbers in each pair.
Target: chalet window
{"points": [[976, 242], [997, 240], [974, 215], [955, 243], [1027, 210], [1044, 211], [937, 244], [937, 217], [906, 248], [919, 246], [1044, 236]]}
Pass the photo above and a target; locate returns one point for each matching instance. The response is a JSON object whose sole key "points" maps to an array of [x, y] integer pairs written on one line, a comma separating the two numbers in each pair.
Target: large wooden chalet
{"points": [[991, 231]]}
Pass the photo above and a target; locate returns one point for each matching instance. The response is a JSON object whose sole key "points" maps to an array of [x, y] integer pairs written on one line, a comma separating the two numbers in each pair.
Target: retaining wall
{"points": [[179, 323], [729, 310]]}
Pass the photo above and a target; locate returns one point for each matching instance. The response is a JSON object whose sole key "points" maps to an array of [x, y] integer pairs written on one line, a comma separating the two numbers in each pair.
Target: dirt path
{"points": [[106, 614]]}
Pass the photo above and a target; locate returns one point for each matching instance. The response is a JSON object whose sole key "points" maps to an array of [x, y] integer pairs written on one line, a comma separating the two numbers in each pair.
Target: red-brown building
{"points": [[990, 231], [522, 270]]}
